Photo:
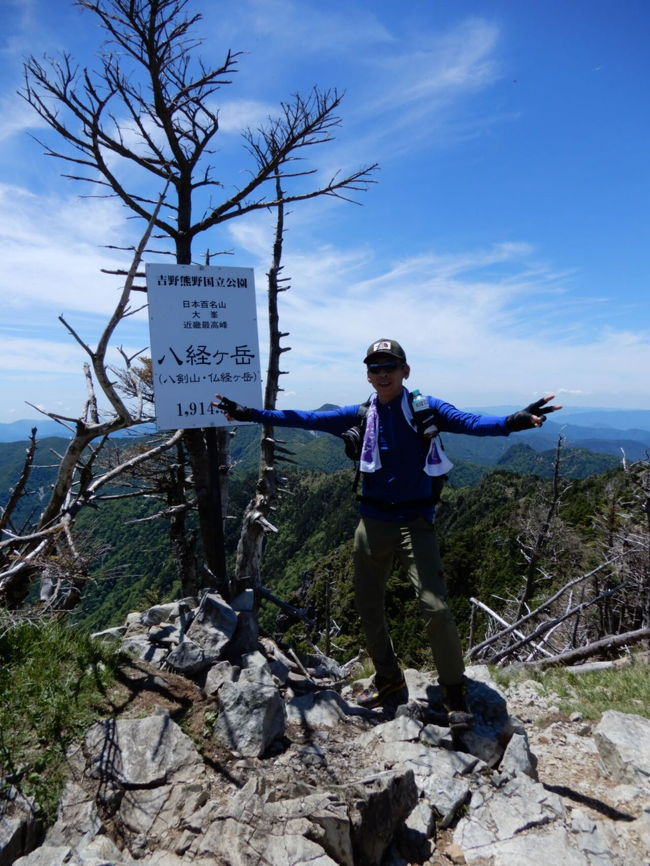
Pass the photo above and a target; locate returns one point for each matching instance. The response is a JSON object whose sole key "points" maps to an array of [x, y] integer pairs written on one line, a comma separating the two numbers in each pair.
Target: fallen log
{"points": [[591, 649]]}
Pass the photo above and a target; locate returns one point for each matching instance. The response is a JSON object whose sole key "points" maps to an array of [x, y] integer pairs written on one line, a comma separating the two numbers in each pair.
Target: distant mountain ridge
{"points": [[636, 421], [618, 419], [599, 430], [16, 431]]}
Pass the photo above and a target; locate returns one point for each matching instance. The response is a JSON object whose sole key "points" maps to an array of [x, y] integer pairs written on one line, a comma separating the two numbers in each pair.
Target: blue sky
{"points": [[505, 243]]}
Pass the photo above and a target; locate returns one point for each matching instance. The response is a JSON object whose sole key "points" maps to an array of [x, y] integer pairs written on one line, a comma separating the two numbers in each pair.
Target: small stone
{"points": [[455, 853]]}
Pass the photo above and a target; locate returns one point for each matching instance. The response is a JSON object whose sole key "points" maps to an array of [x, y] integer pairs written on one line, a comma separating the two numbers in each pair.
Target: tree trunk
{"points": [[182, 541], [256, 523]]}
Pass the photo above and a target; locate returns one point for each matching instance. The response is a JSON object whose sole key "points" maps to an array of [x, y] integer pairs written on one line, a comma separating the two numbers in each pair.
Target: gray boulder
{"points": [[251, 717], [20, 830], [441, 776], [623, 742], [99, 852], [325, 708], [518, 758], [250, 831], [188, 658], [178, 612], [142, 775], [378, 806], [521, 821], [140, 752], [220, 673], [213, 625]]}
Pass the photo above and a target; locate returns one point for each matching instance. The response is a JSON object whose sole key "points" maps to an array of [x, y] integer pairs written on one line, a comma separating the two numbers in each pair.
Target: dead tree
{"points": [[534, 548], [609, 608], [256, 523], [627, 529], [25, 554], [150, 75], [19, 489]]}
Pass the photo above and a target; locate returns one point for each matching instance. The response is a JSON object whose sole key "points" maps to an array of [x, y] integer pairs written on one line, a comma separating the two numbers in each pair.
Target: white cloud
{"points": [[19, 355], [479, 329], [457, 62], [302, 28], [465, 321], [236, 115], [48, 357], [412, 95], [17, 117], [53, 249], [48, 374]]}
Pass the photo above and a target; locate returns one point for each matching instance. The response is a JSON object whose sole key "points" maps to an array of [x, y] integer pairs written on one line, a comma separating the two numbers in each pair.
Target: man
{"points": [[399, 465]]}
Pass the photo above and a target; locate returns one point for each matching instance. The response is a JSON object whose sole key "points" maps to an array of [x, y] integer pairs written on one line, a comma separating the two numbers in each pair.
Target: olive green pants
{"points": [[415, 544]]}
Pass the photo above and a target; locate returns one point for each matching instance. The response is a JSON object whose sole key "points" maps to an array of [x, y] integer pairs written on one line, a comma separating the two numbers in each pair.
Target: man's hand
{"points": [[532, 416], [233, 411]]}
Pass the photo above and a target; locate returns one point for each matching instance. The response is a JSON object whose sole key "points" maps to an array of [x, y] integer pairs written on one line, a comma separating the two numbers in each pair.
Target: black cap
{"points": [[385, 347]]}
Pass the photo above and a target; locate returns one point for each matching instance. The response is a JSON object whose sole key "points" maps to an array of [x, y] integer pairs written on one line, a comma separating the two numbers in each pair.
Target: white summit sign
{"points": [[204, 340]]}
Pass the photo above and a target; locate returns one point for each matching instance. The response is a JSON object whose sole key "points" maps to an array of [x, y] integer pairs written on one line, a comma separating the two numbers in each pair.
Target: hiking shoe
{"points": [[382, 694], [458, 721], [455, 702]]}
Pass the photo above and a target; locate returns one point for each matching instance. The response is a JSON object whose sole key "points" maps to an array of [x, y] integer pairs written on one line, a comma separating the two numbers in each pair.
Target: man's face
{"points": [[386, 375]]}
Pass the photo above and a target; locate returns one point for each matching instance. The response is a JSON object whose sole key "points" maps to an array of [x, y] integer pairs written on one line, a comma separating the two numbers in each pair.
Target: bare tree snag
{"points": [[255, 523], [534, 552], [22, 556], [151, 76], [19, 489]]}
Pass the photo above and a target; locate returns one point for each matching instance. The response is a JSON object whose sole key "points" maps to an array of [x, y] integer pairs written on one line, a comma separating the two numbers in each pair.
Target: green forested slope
{"points": [[131, 565], [574, 462], [482, 530], [480, 525], [42, 475]]}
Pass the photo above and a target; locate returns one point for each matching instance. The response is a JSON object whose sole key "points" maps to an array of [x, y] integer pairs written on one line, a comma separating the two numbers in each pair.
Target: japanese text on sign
{"points": [[187, 366]]}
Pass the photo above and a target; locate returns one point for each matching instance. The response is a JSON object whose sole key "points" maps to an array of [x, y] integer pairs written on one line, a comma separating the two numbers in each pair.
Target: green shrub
{"points": [[53, 685], [626, 689]]}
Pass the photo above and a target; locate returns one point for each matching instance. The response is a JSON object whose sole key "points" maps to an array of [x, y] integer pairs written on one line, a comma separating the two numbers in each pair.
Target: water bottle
{"points": [[419, 401]]}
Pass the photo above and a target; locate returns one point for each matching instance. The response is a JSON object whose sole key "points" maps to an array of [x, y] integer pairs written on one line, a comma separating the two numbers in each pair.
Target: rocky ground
{"points": [[271, 763], [568, 761]]}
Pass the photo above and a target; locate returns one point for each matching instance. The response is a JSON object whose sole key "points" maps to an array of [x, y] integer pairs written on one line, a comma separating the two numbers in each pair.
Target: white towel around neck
{"points": [[436, 463]]}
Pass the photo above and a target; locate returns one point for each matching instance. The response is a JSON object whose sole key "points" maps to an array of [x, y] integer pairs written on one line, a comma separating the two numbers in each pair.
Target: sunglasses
{"points": [[384, 368]]}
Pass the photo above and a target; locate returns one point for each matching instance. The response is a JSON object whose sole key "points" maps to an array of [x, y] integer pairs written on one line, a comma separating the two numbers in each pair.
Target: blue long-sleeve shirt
{"points": [[401, 478]]}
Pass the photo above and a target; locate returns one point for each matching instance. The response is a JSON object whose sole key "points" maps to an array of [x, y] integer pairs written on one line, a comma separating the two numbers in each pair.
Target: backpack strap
{"points": [[426, 428], [362, 415]]}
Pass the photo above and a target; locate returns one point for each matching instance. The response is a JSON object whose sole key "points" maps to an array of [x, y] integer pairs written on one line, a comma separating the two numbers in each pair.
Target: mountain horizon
{"points": [[596, 422]]}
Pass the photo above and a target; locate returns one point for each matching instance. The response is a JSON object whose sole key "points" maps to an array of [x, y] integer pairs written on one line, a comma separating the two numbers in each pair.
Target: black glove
{"points": [[523, 419], [234, 410]]}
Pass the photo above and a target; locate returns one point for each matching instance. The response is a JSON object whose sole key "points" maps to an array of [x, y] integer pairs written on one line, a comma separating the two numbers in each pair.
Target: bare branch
{"points": [[19, 488], [501, 621], [135, 461], [99, 357], [548, 603], [548, 624]]}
